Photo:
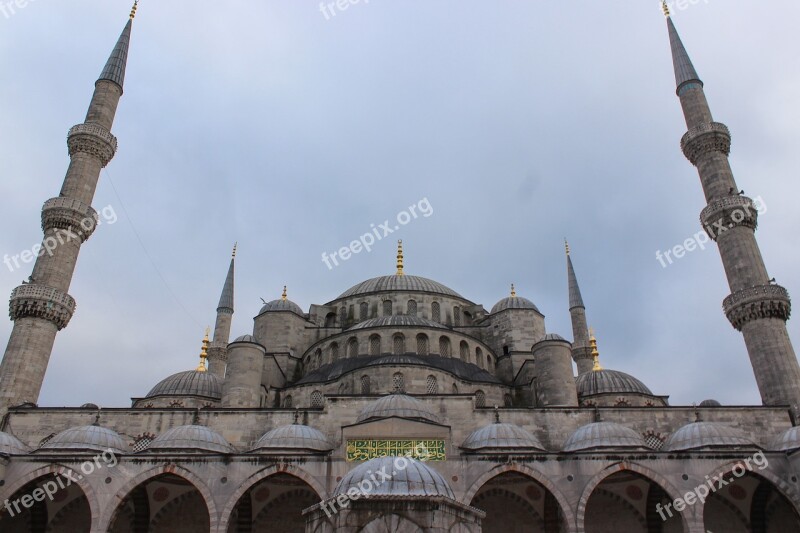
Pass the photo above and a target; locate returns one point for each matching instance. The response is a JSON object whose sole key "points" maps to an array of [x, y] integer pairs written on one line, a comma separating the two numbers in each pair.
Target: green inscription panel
{"points": [[421, 449]]}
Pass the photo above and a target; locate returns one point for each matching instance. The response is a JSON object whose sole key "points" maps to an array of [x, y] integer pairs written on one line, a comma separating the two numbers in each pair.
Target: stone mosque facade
{"points": [[402, 405]]}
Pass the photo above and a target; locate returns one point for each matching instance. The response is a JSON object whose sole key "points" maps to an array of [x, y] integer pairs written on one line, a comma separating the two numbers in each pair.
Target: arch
{"points": [[352, 347], [651, 475], [330, 320], [398, 382], [342, 315], [431, 385], [398, 344], [464, 351], [411, 308], [478, 354], [120, 497], [261, 475], [422, 344], [375, 344], [334, 350], [444, 346], [317, 399], [363, 312], [489, 362], [365, 385], [287, 402], [436, 312], [480, 398], [456, 315], [387, 308]]}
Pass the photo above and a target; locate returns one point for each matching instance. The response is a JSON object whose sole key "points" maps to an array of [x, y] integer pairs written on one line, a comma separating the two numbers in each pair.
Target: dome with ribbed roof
{"points": [[397, 405], [11, 445], [398, 321], [787, 441], [495, 437], [246, 338], [609, 382], [189, 383], [606, 435], [514, 302], [295, 437], [86, 438], [282, 305], [409, 477], [710, 403], [190, 438], [706, 435], [395, 283]]}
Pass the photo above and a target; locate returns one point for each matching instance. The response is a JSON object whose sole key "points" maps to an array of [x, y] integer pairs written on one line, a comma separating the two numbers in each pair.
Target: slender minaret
{"points": [[218, 352], [757, 307], [40, 307], [581, 350]]}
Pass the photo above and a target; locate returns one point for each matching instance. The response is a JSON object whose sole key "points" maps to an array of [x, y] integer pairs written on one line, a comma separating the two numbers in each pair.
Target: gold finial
{"points": [[665, 8], [566, 245], [513, 291], [595, 352], [400, 258], [202, 367], [233, 256], [134, 8], [284, 295]]}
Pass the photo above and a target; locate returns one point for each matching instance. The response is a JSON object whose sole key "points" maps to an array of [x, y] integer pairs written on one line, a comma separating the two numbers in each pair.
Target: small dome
{"points": [[91, 406], [395, 283], [409, 477], [398, 321], [293, 437], [11, 445], [710, 403], [282, 305], [502, 436], [86, 438], [246, 338], [552, 337], [189, 383], [514, 302], [787, 441], [604, 435], [706, 435], [609, 382], [398, 405], [194, 438]]}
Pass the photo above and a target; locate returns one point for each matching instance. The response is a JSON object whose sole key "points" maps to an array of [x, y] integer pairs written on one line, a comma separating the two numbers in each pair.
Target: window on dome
{"points": [[478, 354], [399, 344], [287, 402], [464, 348], [375, 345], [364, 310], [365, 385], [508, 401], [352, 347], [398, 382], [387, 308], [436, 312], [480, 399], [422, 344], [431, 385], [342, 315], [412, 308], [444, 347], [489, 363], [334, 351], [316, 399], [457, 315]]}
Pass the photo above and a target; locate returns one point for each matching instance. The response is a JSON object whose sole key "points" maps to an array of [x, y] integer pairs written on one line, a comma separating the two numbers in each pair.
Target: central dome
{"points": [[399, 283]]}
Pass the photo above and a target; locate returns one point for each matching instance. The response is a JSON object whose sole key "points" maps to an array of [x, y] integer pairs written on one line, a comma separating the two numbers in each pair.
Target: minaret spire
{"points": [[756, 307], [581, 349], [218, 351], [41, 307]]}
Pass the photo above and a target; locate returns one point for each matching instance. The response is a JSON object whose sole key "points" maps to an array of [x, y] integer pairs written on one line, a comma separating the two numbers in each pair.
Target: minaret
{"points": [[757, 307], [218, 352], [41, 307], [581, 350]]}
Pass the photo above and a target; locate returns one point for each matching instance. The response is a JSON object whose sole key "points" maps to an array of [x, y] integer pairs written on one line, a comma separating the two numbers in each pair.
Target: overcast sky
{"points": [[522, 123]]}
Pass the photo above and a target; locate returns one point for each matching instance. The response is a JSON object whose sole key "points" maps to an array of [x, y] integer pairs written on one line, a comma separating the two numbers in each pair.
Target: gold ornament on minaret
{"points": [[400, 258], [202, 367]]}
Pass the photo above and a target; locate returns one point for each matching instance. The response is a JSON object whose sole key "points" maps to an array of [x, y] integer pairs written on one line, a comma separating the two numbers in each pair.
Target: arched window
{"points": [[508, 401], [365, 385], [399, 344], [387, 308], [436, 312], [342, 315], [352, 347], [480, 362], [455, 388], [431, 385], [316, 399], [375, 345], [489, 363], [480, 398], [334, 351], [318, 358], [398, 382], [422, 344], [364, 310], [330, 320], [444, 347], [412, 308], [464, 348], [478, 354], [457, 315], [287, 402]]}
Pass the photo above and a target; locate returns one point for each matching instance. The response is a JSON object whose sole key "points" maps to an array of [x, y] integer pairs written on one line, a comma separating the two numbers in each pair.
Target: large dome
{"points": [[189, 383], [399, 283], [191, 438], [609, 382], [502, 437], [86, 438], [514, 302], [409, 477], [396, 321], [295, 437], [398, 405], [706, 435], [604, 435]]}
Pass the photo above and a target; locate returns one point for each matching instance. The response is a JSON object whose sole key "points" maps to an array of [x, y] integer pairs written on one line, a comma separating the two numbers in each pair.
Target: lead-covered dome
{"points": [[408, 477], [604, 435], [395, 283], [609, 382], [787, 441], [397, 405], [295, 437], [282, 305], [398, 321], [706, 435], [11, 445], [86, 438], [495, 437], [514, 302], [189, 383], [190, 438]]}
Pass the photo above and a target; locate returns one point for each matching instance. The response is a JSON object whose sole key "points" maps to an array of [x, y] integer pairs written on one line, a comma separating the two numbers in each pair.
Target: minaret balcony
{"points": [[39, 301], [94, 140], [706, 138], [70, 215], [761, 301], [727, 213]]}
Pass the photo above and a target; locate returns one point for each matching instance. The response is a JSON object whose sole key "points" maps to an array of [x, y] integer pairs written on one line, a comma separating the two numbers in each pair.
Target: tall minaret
{"points": [[218, 352], [40, 307], [581, 349], [756, 307]]}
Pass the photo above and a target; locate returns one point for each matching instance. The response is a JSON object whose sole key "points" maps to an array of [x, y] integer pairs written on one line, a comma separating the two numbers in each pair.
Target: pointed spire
{"points": [[400, 258], [114, 70], [202, 367], [684, 69], [595, 351], [226, 298], [575, 298]]}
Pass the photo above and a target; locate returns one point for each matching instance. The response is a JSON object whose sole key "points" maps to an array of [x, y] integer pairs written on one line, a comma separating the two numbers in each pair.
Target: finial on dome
{"points": [[202, 367], [665, 8], [284, 296], [513, 291], [400, 258], [595, 352], [134, 8], [496, 415], [566, 245], [233, 255]]}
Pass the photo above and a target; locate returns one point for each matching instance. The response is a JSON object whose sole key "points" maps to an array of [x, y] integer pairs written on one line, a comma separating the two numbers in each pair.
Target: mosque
{"points": [[401, 405]]}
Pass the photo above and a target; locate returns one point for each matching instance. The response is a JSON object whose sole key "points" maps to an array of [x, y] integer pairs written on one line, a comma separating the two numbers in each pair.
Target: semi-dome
{"points": [[398, 405], [397, 321], [609, 382], [395, 283], [190, 438], [295, 437], [604, 435], [787, 441], [282, 305], [502, 437], [189, 383], [514, 302], [706, 435], [409, 477], [11, 445], [86, 438]]}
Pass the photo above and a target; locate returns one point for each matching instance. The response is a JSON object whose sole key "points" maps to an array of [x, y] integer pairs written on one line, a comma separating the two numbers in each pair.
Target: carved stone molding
{"points": [[727, 213], [762, 301], [92, 139], [70, 215], [706, 138], [38, 301]]}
